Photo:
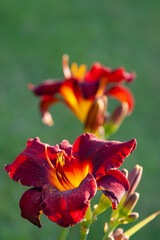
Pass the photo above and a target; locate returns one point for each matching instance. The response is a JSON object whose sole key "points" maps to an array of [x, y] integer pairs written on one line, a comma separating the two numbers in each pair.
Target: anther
{"points": [[48, 160]]}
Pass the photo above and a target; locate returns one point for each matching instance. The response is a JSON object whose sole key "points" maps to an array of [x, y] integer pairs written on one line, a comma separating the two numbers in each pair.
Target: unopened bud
{"points": [[129, 203], [119, 235], [117, 232], [133, 216], [96, 114], [134, 178], [116, 119], [119, 114]]}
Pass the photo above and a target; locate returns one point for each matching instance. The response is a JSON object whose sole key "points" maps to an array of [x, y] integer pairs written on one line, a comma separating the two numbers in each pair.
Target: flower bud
{"points": [[96, 115], [133, 216], [116, 118], [129, 203], [119, 114], [134, 178], [119, 235], [117, 232]]}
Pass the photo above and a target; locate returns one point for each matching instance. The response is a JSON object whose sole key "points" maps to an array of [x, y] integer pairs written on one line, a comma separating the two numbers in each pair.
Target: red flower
{"points": [[82, 88], [65, 177]]}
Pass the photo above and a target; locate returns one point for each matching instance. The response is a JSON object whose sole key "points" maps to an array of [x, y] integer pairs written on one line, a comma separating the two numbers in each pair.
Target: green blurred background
{"points": [[33, 37]]}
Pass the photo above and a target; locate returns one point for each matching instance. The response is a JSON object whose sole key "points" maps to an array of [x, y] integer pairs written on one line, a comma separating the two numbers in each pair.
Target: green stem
{"points": [[111, 228], [85, 224], [84, 233], [64, 233]]}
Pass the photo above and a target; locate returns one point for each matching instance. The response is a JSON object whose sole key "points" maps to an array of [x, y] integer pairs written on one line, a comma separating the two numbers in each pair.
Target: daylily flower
{"points": [[86, 93], [65, 177]]}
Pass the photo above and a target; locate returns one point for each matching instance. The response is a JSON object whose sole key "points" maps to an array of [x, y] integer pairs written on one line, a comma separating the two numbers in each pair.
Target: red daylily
{"points": [[86, 92], [65, 177]]}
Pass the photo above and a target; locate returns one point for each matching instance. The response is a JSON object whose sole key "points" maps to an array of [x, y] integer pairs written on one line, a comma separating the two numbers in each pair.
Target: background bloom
{"points": [[86, 93], [65, 177]]}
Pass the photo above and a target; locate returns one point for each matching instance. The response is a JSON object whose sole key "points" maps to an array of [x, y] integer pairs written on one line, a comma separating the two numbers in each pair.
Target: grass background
{"points": [[34, 36]]}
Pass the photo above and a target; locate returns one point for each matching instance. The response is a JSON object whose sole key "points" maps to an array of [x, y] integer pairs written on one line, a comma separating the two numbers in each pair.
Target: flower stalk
{"points": [[64, 233], [101, 206], [112, 225], [85, 224]]}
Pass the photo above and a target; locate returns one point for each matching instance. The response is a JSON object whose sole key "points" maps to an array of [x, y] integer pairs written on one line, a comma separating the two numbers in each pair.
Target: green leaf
{"points": [[141, 224]]}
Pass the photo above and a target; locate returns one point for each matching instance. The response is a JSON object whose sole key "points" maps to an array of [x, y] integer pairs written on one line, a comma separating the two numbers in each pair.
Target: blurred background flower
{"points": [[34, 36], [86, 94]]}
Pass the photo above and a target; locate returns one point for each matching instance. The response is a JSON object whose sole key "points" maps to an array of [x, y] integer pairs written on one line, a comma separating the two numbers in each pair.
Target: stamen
{"points": [[78, 72], [81, 71], [60, 172], [48, 160], [65, 66], [74, 68], [63, 180], [60, 159]]}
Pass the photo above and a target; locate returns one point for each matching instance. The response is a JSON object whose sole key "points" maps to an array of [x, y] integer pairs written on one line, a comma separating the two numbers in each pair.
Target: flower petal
{"points": [[30, 205], [96, 72], [122, 94], [72, 92], [66, 146], [118, 75], [31, 168], [68, 207], [89, 89], [48, 87], [114, 184], [45, 104], [101, 155]]}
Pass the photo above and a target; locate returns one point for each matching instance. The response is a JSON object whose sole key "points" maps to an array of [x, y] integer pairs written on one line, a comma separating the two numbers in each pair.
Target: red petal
{"points": [[48, 87], [45, 104], [115, 184], [101, 155], [122, 94], [89, 89], [119, 74], [73, 85], [68, 207], [30, 205], [31, 168], [66, 146], [75, 96], [96, 72]]}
